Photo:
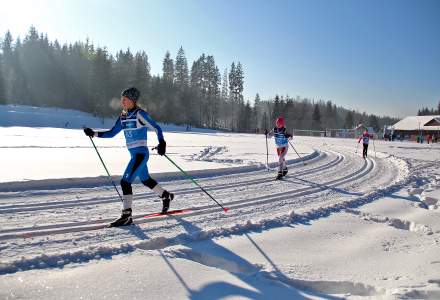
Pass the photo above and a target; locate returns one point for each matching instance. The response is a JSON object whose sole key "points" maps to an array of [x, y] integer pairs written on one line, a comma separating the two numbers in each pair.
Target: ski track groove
{"points": [[366, 168], [5, 209]]}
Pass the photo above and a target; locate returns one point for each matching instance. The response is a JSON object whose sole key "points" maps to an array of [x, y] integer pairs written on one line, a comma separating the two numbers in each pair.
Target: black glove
{"points": [[266, 132], [89, 132], [161, 148], [289, 136]]}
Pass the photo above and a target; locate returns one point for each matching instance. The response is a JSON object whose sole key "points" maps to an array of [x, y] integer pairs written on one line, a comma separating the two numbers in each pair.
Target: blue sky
{"points": [[381, 57]]}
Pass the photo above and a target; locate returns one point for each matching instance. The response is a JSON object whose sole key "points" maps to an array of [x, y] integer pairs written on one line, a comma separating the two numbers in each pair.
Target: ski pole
{"points": [[357, 148], [297, 153], [93, 143], [195, 182], [374, 149], [267, 152]]}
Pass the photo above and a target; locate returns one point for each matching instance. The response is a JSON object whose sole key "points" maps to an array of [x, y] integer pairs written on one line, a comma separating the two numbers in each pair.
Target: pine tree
{"points": [[349, 120], [168, 68], [277, 108], [213, 90], [329, 116], [123, 69], [7, 65], [232, 93], [316, 117], [236, 85], [265, 122], [142, 73], [2, 85], [289, 111], [244, 120], [257, 113], [181, 78], [101, 71], [374, 122], [19, 86], [198, 86], [225, 99], [248, 124]]}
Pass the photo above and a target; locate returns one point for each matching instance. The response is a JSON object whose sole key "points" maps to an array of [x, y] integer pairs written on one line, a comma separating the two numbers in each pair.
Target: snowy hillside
{"points": [[29, 116], [337, 226]]}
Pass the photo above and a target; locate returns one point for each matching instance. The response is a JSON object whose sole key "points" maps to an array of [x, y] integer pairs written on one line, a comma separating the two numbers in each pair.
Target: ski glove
{"points": [[89, 132], [289, 136], [161, 148]]}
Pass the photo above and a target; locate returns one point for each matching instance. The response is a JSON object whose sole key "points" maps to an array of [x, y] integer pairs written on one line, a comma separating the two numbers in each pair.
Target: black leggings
{"points": [[364, 152]]}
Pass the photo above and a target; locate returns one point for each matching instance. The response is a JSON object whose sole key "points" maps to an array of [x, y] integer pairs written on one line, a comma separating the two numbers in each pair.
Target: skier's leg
{"points": [[280, 158], [130, 174], [280, 163], [283, 155], [153, 185], [127, 194], [134, 167], [366, 150]]}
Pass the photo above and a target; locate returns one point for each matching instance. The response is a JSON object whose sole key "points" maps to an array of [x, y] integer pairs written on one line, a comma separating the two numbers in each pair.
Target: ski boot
{"points": [[167, 197], [124, 220], [285, 171], [280, 175]]}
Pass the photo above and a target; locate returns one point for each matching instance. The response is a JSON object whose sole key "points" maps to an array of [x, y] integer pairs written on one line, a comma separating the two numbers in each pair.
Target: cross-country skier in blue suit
{"points": [[134, 122]]}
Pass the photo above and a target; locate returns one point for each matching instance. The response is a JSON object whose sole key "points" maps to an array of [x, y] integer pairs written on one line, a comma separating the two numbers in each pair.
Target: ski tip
{"points": [[226, 209]]}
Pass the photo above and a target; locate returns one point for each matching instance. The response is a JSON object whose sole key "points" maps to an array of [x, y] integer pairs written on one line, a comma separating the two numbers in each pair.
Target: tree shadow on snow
{"points": [[262, 285]]}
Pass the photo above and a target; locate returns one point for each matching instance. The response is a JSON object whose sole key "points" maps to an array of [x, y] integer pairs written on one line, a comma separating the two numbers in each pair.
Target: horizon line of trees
{"points": [[39, 72], [429, 112]]}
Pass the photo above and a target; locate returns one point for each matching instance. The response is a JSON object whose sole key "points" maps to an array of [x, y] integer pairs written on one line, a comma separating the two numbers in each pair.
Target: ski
{"points": [[115, 226], [170, 212]]}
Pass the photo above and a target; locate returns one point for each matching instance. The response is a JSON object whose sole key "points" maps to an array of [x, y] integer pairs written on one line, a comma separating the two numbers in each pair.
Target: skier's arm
{"points": [[146, 120], [270, 133], [112, 132]]}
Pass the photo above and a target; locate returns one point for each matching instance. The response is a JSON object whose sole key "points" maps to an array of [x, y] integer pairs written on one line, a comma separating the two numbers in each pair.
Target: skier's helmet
{"points": [[131, 93], [280, 122]]}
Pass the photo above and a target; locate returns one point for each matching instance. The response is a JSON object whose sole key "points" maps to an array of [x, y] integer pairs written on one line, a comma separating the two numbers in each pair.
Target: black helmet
{"points": [[131, 93]]}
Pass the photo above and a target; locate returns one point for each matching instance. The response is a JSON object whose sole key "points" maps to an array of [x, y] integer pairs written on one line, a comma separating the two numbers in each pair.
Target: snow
{"points": [[336, 227]]}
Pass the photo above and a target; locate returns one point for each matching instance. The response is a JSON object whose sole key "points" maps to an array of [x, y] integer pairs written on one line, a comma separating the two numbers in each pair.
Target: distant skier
{"points": [[134, 121], [282, 144], [365, 137]]}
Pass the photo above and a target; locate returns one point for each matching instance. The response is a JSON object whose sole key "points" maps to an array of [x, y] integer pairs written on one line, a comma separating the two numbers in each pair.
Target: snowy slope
{"points": [[12, 115], [337, 226]]}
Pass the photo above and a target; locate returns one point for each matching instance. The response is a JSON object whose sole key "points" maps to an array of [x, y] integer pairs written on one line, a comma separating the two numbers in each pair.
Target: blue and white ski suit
{"points": [[134, 123]]}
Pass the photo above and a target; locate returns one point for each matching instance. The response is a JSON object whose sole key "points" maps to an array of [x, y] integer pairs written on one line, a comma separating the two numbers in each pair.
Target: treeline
{"points": [[429, 112], [303, 113], [37, 71], [80, 76]]}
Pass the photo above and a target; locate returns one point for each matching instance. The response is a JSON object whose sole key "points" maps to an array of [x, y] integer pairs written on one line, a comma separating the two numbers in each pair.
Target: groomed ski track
{"points": [[37, 223]]}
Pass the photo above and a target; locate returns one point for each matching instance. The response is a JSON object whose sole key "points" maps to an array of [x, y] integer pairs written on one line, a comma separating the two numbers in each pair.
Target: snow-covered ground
{"points": [[336, 227]]}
